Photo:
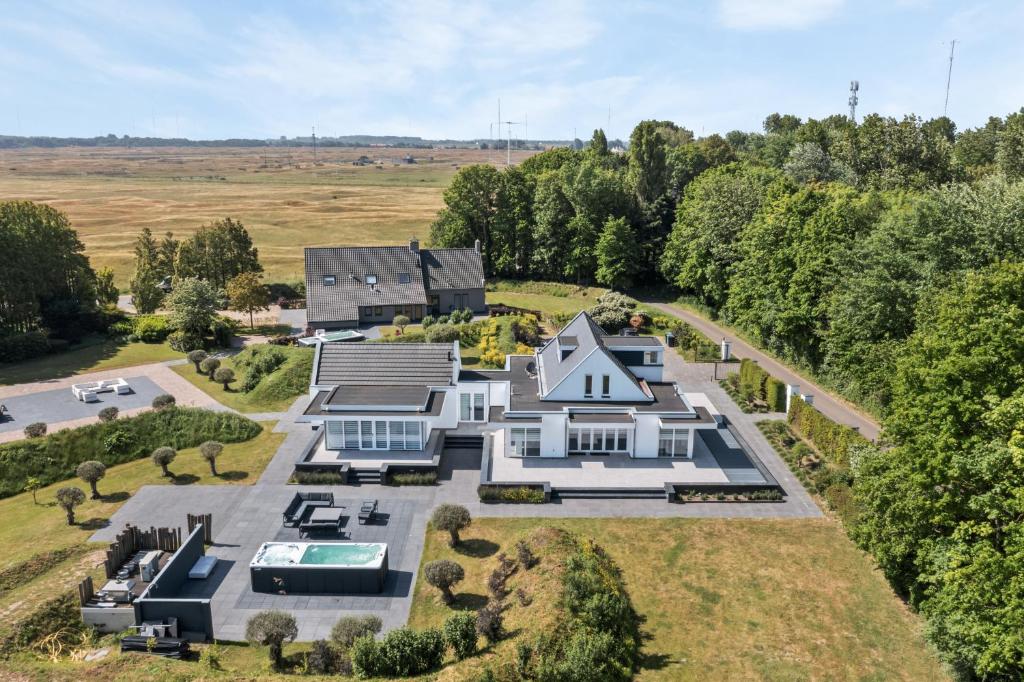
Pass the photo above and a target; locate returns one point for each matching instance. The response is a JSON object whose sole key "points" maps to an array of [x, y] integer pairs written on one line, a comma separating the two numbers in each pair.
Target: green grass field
{"points": [[275, 393], [92, 355], [30, 528], [725, 599]]}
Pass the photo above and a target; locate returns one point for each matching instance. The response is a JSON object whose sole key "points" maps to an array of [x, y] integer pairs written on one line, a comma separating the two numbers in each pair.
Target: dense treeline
{"points": [[886, 257], [49, 295]]}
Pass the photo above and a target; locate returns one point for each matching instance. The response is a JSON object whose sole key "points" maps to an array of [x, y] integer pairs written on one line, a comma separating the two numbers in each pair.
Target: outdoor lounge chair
{"points": [[366, 511], [4, 412], [302, 504]]}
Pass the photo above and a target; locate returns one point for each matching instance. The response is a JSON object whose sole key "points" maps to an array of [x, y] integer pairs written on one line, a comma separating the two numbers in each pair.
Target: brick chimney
{"points": [[414, 245]]}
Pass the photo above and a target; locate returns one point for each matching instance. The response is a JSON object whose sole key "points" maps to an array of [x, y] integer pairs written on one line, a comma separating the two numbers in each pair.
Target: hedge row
{"points": [[55, 457], [18, 347], [832, 440], [757, 384]]}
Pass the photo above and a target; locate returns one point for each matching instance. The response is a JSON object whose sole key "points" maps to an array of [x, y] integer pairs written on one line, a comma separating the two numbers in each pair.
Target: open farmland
{"points": [[285, 200]]}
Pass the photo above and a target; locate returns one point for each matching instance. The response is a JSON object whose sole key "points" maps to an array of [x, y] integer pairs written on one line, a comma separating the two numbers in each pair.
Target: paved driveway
{"points": [[829, 405], [60, 404]]}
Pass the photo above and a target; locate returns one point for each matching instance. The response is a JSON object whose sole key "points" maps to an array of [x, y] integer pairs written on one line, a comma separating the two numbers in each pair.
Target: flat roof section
{"points": [[431, 405], [630, 341]]}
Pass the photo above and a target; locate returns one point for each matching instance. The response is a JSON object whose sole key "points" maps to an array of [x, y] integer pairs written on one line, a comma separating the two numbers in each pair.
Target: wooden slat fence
{"points": [[207, 521], [132, 539], [85, 590]]}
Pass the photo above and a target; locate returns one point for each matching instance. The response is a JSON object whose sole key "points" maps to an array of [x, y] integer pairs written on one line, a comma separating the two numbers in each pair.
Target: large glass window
{"points": [[412, 435], [588, 386], [673, 443], [588, 439], [381, 431], [366, 429], [471, 407], [351, 435], [524, 442], [606, 386]]}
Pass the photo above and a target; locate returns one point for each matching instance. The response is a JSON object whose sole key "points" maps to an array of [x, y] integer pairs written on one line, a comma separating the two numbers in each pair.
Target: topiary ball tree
{"points": [[209, 366], [350, 628], [272, 629], [224, 376], [68, 498], [442, 574], [35, 430], [452, 518], [164, 401], [91, 472], [108, 414], [163, 457], [401, 322], [196, 357], [210, 450]]}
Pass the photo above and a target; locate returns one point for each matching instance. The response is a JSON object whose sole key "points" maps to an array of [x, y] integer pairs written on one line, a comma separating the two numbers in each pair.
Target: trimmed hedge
{"points": [[522, 494], [775, 394], [413, 478], [832, 440], [752, 380], [55, 457]]}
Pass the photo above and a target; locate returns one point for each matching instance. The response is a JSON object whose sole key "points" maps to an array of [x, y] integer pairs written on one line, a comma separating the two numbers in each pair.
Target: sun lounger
{"points": [[366, 511]]}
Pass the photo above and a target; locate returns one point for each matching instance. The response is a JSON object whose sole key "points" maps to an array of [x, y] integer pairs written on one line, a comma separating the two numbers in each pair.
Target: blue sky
{"points": [[437, 68]]}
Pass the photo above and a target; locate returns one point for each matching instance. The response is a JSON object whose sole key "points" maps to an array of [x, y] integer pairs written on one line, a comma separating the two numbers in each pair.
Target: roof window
{"points": [[329, 280], [404, 278], [371, 279]]}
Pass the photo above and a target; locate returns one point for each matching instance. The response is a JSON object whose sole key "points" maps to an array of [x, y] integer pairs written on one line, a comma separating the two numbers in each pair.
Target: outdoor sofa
{"points": [[302, 503], [87, 393]]}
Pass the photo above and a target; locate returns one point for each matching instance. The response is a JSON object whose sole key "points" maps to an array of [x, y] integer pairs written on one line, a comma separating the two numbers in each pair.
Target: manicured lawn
{"points": [[728, 599], [390, 330], [548, 298], [92, 355]]}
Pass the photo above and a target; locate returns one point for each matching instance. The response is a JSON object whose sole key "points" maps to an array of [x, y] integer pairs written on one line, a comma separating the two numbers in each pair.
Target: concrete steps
{"points": [[362, 476], [463, 442]]}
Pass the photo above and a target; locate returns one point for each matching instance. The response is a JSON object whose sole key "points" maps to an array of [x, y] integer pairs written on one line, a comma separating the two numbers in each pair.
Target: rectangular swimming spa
{"points": [[319, 568]]}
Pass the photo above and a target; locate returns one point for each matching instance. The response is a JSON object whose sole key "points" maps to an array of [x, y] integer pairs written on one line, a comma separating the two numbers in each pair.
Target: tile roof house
{"points": [[348, 286]]}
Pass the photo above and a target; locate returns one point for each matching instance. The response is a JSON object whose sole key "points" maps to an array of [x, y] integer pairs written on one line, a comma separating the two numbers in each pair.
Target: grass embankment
{"points": [[722, 598], [94, 354], [275, 390], [30, 530], [550, 298]]}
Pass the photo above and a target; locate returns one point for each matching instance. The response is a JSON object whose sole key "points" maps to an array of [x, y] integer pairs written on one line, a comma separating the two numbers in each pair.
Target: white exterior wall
{"points": [[553, 432], [596, 364], [498, 393], [645, 440], [649, 372], [449, 417]]}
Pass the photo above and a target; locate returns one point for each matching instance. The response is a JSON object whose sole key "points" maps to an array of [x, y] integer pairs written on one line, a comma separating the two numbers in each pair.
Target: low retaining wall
{"points": [[486, 482]]}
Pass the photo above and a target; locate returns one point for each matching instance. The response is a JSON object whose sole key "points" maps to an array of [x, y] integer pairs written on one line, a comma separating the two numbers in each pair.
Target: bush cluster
{"points": [[442, 333], [402, 653], [55, 457], [612, 311], [491, 354], [258, 362], [522, 494], [413, 478], [151, 328], [460, 316], [19, 347], [318, 478]]}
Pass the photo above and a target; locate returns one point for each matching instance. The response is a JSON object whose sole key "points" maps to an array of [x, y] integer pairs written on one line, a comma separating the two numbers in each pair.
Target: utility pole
{"points": [[314, 145], [949, 76]]}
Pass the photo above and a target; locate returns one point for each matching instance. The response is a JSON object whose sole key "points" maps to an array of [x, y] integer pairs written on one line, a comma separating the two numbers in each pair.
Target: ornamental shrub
{"points": [[108, 414], [322, 658], [35, 430], [209, 366], [164, 401], [18, 347], [460, 634], [442, 333], [452, 518], [402, 653], [428, 321], [152, 328], [443, 574], [350, 628]]}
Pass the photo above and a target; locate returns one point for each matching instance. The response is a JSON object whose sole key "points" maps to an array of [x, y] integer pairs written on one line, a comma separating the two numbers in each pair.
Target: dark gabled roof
{"points": [[452, 269], [350, 266], [428, 269], [587, 336], [384, 364]]}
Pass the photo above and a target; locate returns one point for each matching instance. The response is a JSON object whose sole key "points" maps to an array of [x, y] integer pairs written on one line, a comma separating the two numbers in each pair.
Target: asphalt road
{"points": [[831, 406]]}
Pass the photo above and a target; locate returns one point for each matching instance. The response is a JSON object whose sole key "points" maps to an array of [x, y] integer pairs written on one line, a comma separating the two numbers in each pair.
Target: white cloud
{"points": [[760, 15]]}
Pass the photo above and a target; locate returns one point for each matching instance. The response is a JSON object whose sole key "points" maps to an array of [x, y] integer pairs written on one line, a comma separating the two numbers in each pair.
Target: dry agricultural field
{"points": [[285, 200]]}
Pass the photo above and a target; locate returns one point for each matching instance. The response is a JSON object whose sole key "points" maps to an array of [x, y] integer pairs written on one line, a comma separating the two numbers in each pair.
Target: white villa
{"points": [[596, 400]]}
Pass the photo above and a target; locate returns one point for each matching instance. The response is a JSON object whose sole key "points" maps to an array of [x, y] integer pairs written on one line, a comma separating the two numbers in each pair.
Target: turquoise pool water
{"points": [[319, 554], [345, 555]]}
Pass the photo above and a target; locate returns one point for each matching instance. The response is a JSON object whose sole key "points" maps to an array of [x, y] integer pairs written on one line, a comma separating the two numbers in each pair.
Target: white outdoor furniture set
{"points": [[88, 393]]}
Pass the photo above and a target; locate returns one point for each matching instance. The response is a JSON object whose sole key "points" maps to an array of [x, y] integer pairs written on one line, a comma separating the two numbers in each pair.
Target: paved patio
{"points": [[60, 405]]}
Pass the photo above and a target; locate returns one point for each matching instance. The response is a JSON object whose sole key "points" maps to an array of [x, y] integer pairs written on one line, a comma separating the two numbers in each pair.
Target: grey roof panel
{"points": [[384, 364], [588, 337], [452, 269]]}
